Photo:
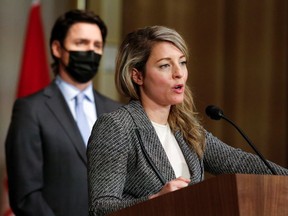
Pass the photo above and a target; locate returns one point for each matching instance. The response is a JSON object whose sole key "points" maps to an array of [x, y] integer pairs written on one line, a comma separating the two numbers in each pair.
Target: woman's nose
{"points": [[178, 72]]}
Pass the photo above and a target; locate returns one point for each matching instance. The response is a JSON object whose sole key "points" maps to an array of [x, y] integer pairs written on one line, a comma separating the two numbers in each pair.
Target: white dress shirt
{"points": [[70, 92], [172, 150]]}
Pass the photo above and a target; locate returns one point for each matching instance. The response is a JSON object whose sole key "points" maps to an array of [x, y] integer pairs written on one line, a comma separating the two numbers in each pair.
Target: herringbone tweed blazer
{"points": [[119, 174]]}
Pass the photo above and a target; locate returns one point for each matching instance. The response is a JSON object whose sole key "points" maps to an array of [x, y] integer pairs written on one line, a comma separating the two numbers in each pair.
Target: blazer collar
{"points": [[154, 147], [57, 105], [150, 139]]}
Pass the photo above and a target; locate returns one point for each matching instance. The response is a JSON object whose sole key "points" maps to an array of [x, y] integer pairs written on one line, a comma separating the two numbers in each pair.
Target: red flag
{"points": [[34, 73], [6, 207]]}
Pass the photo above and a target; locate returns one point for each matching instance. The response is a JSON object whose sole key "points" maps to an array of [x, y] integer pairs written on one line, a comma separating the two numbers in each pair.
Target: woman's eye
{"points": [[183, 62], [164, 66]]}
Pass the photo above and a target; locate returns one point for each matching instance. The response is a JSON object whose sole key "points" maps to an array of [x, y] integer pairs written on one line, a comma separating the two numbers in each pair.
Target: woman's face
{"points": [[165, 76]]}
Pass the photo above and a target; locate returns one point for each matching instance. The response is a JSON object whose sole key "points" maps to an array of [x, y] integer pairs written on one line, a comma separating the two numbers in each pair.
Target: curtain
{"points": [[238, 61]]}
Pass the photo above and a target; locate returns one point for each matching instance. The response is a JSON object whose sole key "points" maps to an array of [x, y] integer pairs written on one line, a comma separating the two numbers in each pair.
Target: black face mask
{"points": [[83, 65]]}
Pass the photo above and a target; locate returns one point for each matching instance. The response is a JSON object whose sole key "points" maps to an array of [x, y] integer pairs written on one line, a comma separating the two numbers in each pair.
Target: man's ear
{"points": [[137, 76], [56, 49]]}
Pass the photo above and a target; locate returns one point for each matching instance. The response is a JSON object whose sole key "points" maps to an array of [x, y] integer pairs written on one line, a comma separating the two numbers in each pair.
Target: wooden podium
{"points": [[224, 195]]}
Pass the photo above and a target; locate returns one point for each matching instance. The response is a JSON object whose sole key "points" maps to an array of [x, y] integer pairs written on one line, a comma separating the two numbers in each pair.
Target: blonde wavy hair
{"points": [[134, 53]]}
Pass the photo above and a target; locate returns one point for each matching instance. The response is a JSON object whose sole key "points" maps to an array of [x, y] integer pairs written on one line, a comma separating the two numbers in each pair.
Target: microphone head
{"points": [[214, 112]]}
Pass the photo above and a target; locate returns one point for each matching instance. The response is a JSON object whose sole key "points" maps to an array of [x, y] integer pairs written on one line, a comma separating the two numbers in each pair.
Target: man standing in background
{"points": [[47, 137]]}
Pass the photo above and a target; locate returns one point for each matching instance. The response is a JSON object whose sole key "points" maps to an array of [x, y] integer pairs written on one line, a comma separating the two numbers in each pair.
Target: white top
{"points": [[70, 92], [172, 150]]}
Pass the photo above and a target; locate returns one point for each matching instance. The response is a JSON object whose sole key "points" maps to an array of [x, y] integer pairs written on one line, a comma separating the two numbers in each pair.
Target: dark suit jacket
{"points": [[119, 174], [46, 156]]}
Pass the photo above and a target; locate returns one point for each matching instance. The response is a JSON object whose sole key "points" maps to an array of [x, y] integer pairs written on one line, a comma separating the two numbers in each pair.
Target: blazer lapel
{"points": [[99, 104], [60, 109], [157, 153], [194, 163], [151, 141]]}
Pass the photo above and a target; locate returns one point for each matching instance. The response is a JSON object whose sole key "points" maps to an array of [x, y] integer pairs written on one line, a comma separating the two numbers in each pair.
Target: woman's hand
{"points": [[173, 185]]}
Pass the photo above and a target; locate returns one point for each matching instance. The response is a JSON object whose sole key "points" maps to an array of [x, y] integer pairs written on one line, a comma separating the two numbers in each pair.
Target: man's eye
{"points": [[98, 46], [80, 42]]}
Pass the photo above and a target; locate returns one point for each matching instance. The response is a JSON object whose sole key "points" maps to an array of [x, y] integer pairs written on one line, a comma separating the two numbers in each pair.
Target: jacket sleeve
{"points": [[108, 153], [24, 159], [220, 158]]}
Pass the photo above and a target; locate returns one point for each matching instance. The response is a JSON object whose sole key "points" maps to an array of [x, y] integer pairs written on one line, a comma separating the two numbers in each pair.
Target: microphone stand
{"points": [[251, 144]]}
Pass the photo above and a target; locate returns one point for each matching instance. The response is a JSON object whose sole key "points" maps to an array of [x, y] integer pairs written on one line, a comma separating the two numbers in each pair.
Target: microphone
{"points": [[216, 113]]}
